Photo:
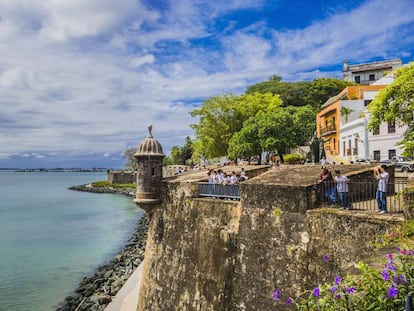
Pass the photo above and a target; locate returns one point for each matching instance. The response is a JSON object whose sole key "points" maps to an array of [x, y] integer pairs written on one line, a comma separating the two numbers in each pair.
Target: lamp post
{"points": [[358, 138]]}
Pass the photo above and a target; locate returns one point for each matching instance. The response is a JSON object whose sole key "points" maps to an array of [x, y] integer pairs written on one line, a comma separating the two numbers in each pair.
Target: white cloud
{"points": [[138, 61], [87, 77]]}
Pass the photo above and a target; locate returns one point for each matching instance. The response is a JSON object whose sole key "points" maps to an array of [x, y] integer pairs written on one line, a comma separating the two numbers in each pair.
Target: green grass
{"points": [[105, 183]]}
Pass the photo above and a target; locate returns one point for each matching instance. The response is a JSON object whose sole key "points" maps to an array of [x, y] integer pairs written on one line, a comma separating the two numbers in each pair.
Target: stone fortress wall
{"points": [[212, 254]]}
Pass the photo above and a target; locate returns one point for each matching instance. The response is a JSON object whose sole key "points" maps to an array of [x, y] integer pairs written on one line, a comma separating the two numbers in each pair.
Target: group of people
{"points": [[221, 177], [330, 186]]}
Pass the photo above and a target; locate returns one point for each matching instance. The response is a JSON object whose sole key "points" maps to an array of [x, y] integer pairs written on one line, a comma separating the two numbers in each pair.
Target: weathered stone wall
{"points": [[189, 255], [210, 254], [272, 244], [121, 177], [346, 237]]}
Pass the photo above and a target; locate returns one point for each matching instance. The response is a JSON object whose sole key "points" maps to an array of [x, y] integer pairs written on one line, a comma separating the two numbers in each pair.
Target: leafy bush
{"points": [[105, 183], [101, 183], [293, 158], [371, 290]]}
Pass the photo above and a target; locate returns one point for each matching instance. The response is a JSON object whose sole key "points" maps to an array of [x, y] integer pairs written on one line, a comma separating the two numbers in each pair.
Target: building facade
{"points": [[340, 138], [367, 74], [345, 136]]}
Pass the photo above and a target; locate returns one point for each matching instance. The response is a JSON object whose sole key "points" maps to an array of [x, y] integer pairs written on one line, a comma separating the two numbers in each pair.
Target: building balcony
{"points": [[330, 129]]}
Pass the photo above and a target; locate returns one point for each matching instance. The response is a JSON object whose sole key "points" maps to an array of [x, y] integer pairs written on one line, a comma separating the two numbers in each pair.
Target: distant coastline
{"points": [[86, 170]]}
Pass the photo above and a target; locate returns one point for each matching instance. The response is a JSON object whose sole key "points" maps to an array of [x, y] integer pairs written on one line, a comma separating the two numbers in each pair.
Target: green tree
{"points": [[291, 93], [186, 151], [395, 103], [167, 161], [176, 155], [304, 121], [320, 90], [199, 154], [217, 123], [314, 93], [131, 161], [276, 132], [345, 112], [245, 143], [220, 117]]}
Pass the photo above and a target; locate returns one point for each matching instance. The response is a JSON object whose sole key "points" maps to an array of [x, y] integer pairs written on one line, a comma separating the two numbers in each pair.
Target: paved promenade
{"points": [[127, 298]]}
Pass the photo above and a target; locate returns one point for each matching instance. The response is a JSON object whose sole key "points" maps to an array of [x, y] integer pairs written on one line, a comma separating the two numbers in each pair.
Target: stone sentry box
{"points": [[149, 156]]}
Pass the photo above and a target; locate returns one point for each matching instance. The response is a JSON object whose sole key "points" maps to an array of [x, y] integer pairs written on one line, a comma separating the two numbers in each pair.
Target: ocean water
{"points": [[50, 237]]}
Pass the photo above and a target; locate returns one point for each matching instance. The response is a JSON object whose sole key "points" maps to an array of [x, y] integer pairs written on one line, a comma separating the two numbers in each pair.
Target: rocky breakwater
{"points": [[88, 188]]}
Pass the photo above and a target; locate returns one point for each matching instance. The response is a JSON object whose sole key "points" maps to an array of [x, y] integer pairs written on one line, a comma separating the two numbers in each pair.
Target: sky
{"points": [[80, 80]]}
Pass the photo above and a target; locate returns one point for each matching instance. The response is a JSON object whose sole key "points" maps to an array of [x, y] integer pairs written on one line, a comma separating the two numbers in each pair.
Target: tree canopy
{"points": [[220, 117], [131, 161], [271, 116], [302, 93], [395, 103]]}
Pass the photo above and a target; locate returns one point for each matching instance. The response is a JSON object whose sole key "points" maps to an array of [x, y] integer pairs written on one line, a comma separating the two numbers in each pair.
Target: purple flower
{"points": [[338, 296], [389, 256], [276, 294], [350, 290], [316, 292], [403, 252], [385, 275], [390, 265], [325, 258], [338, 279], [333, 289], [399, 279], [392, 291], [410, 252], [289, 301]]}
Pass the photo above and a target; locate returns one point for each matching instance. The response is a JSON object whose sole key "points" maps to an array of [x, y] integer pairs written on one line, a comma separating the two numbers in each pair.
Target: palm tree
{"points": [[345, 112]]}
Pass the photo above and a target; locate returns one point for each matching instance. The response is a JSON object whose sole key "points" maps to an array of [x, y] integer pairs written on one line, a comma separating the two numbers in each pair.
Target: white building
{"points": [[353, 135], [356, 142], [370, 72]]}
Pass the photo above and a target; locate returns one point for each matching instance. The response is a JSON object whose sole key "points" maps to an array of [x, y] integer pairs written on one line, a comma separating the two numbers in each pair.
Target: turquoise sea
{"points": [[51, 237]]}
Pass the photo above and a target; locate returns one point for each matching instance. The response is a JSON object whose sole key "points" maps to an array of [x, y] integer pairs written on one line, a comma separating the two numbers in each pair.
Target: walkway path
{"points": [[127, 297]]}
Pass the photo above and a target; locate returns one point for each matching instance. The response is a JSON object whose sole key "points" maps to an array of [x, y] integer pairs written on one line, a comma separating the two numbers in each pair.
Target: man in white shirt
{"points": [[382, 176], [342, 188]]}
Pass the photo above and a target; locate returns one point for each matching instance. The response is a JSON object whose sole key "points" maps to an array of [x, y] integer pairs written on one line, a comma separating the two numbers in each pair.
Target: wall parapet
{"points": [[209, 254]]}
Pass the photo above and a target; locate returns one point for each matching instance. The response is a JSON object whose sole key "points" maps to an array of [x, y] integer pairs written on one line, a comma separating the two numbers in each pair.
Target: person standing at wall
{"points": [[382, 176], [342, 188], [326, 185]]}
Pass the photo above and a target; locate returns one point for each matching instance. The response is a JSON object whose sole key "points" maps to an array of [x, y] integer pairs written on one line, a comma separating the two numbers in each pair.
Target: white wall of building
{"points": [[353, 137], [385, 145]]}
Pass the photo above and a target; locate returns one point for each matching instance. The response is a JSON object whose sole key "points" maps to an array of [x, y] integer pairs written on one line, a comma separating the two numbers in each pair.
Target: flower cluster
{"points": [[372, 289]]}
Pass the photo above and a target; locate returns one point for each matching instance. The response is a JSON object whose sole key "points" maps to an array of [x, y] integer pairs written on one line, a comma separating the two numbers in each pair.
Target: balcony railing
{"points": [[362, 195], [228, 191], [328, 130]]}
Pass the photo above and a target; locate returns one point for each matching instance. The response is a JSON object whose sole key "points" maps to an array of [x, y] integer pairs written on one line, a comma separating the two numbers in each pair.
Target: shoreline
{"points": [[130, 192], [95, 292]]}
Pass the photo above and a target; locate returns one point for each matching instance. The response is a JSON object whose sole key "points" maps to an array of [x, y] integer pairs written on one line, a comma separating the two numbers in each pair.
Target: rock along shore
{"points": [[95, 293]]}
